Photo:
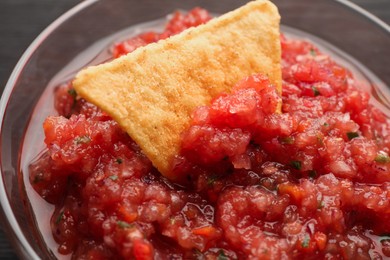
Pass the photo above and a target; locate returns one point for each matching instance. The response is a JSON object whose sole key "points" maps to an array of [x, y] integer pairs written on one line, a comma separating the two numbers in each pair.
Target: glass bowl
{"points": [[359, 36]]}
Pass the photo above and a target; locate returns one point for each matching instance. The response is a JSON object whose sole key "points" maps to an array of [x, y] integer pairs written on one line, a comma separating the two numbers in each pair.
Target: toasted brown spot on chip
{"points": [[152, 91]]}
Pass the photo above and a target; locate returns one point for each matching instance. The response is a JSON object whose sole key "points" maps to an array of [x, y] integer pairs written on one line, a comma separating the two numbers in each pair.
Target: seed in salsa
{"points": [[312, 182]]}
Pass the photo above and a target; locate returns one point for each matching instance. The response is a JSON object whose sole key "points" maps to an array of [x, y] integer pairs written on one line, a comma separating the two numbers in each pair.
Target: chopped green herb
{"points": [[306, 241], [197, 252], [326, 124], [222, 255], [382, 158], [296, 165], [286, 140], [316, 92], [119, 161], [82, 139], [352, 135], [320, 140], [60, 217], [113, 177], [320, 204], [211, 180], [38, 178], [312, 174], [313, 52], [72, 92], [124, 224]]}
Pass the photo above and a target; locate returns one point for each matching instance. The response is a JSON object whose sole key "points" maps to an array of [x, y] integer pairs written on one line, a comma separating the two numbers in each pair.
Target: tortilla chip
{"points": [[152, 91]]}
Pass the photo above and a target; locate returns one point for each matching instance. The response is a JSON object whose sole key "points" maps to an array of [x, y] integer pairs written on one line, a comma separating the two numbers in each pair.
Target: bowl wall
{"points": [[349, 28]]}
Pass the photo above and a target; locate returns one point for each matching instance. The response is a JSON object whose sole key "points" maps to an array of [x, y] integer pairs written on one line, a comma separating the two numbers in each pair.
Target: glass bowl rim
{"points": [[9, 220], [18, 240]]}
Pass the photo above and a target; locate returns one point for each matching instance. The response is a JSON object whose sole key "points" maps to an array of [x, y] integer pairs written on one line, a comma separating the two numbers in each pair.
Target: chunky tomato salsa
{"points": [[311, 182]]}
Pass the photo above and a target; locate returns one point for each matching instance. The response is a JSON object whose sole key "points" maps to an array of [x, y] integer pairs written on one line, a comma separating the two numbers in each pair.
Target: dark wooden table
{"points": [[22, 20]]}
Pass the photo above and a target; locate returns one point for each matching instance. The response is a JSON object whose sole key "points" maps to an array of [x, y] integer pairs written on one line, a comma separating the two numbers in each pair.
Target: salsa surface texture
{"points": [[312, 182]]}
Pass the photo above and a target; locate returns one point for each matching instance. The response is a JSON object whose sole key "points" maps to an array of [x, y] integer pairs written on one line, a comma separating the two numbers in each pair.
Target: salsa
{"points": [[311, 182]]}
